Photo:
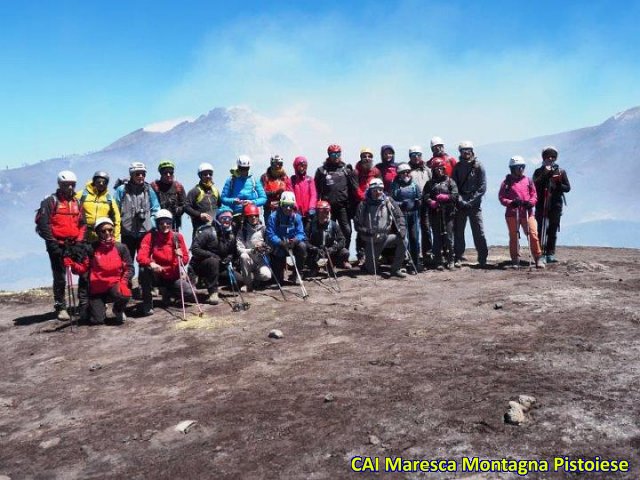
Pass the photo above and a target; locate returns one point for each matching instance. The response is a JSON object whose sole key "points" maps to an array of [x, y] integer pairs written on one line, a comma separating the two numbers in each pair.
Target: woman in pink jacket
{"points": [[304, 188], [518, 194]]}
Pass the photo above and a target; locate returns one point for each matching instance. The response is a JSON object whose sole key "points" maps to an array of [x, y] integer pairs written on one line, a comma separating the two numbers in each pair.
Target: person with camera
{"points": [[551, 183], [252, 248], [170, 192], [214, 249], [138, 203]]}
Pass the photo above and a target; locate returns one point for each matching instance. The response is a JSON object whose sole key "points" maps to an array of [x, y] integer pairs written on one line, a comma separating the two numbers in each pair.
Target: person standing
{"points": [[96, 203], [336, 184], [438, 151], [518, 194], [60, 223], [407, 195], [387, 166], [242, 189], [421, 174], [203, 200], [137, 203], [551, 183], [275, 181], [471, 180], [440, 195], [364, 173], [170, 192], [304, 188]]}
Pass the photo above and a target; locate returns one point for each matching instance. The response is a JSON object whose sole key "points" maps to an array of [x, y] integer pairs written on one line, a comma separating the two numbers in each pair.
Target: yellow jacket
{"points": [[97, 205]]}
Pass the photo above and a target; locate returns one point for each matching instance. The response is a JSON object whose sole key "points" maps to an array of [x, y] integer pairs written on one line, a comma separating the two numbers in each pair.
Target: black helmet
{"points": [[101, 174]]}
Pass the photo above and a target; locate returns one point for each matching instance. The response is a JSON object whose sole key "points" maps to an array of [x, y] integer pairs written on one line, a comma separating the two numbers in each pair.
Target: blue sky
{"points": [[77, 75]]}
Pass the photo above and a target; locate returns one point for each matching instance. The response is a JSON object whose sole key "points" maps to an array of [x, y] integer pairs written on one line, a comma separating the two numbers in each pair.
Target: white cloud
{"points": [[166, 125]]}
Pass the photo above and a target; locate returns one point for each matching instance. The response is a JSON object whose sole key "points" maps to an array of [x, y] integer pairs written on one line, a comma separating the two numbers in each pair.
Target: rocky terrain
{"points": [[422, 369]]}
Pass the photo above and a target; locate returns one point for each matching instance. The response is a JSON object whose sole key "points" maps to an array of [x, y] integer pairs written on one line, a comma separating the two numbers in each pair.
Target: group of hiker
{"points": [[413, 214]]}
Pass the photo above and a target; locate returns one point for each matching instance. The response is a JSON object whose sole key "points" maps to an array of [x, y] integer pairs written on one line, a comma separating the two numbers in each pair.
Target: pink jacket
{"points": [[305, 190], [521, 189]]}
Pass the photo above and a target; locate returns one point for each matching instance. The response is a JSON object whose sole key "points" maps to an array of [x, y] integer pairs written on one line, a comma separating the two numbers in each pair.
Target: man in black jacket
{"points": [[325, 238]]}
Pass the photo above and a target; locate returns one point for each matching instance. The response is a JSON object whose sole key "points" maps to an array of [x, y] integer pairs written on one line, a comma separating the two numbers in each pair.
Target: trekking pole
{"points": [[528, 233], [333, 270], [373, 254], [273, 275], [295, 266], [193, 290], [545, 221], [71, 298], [235, 287], [518, 237], [184, 309], [443, 234]]}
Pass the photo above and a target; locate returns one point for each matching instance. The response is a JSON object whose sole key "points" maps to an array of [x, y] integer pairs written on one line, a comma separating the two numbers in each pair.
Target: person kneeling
{"points": [[214, 248], [286, 237], [326, 241], [162, 256], [105, 274], [252, 248]]}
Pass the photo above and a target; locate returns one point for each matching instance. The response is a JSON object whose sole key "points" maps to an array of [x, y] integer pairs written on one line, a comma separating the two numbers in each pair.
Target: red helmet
{"points": [[437, 162], [334, 148], [250, 209], [323, 205]]}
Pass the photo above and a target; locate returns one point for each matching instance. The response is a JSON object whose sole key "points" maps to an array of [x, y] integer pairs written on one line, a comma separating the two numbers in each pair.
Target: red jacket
{"points": [[304, 189], [449, 163], [159, 248], [274, 187], [109, 265], [61, 219], [363, 180]]}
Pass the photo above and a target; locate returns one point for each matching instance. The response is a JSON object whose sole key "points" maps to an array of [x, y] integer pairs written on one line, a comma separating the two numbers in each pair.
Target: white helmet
{"points": [[415, 149], [549, 148], [465, 144], [67, 176], [137, 167], [376, 183], [517, 161], [244, 161], [205, 167], [403, 167], [101, 221], [164, 213], [288, 198], [436, 141]]}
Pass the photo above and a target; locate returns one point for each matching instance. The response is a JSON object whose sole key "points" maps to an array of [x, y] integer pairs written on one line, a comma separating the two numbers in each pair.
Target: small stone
{"points": [[497, 306], [94, 367], [527, 401], [329, 397], [4, 477], [373, 440], [6, 402], [276, 334], [515, 414], [185, 426], [50, 443]]}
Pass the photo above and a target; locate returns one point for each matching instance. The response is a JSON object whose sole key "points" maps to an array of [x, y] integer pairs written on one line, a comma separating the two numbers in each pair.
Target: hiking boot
{"points": [[361, 261], [539, 263], [121, 317], [166, 297], [440, 268], [398, 274], [212, 299], [244, 289], [457, 263], [515, 264], [146, 311], [347, 266], [552, 259], [293, 278], [449, 266], [63, 315]]}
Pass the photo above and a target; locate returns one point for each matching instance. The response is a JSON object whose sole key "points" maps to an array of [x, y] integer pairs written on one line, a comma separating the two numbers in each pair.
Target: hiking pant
{"points": [[278, 263], [132, 243], [442, 228], [340, 213], [209, 269], [426, 244], [337, 258], [149, 279], [413, 225], [477, 229], [59, 279], [97, 303], [372, 251], [530, 229], [253, 268], [552, 227]]}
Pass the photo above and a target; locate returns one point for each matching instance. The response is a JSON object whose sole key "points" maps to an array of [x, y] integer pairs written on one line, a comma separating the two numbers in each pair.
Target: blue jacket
{"points": [[283, 227], [406, 195], [244, 188]]}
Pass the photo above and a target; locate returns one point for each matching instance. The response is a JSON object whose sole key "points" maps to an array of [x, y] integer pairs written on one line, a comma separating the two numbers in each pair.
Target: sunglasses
{"points": [[206, 174], [366, 155], [466, 150], [335, 154], [139, 174], [415, 154], [105, 231], [287, 206], [166, 172]]}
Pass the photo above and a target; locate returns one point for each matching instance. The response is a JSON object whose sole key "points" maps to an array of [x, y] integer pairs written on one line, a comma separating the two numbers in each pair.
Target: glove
{"points": [[227, 260], [515, 203], [432, 204], [123, 286], [463, 204], [284, 244], [527, 204], [442, 197], [556, 178], [293, 242], [312, 249], [67, 262], [312, 212]]}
